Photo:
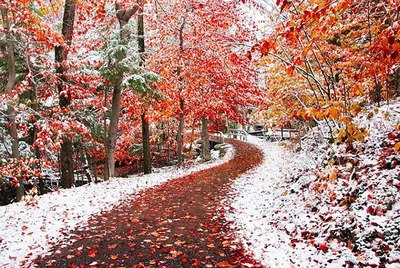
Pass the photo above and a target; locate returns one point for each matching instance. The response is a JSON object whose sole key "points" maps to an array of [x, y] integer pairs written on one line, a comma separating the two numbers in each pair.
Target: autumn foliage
{"points": [[327, 60], [203, 66]]}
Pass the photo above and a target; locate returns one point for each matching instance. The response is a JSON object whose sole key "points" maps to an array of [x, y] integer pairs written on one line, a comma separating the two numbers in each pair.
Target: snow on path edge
{"points": [[28, 230]]}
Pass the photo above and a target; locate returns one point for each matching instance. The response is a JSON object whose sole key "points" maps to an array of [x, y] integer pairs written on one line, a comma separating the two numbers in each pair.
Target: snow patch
{"points": [[287, 213], [29, 229]]}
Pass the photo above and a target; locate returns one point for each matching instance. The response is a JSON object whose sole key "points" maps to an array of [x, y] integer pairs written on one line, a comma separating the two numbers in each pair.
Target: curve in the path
{"points": [[177, 224]]}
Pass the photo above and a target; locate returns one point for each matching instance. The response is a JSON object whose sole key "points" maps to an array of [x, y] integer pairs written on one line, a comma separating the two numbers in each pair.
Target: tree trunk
{"points": [[20, 191], [10, 59], [87, 166], [92, 166], [191, 139], [145, 123], [168, 146], [35, 132], [110, 142], [205, 151], [140, 29], [106, 142], [67, 164], [61, 53], [113, 129], [179, 138], [181, 102], [11, 112], [146, 144]]}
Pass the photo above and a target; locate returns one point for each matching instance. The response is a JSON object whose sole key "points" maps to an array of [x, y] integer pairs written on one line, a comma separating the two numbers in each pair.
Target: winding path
{"points": [[177, 224]]}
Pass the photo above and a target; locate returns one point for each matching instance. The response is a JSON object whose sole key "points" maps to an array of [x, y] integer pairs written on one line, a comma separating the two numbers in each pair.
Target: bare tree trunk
{"points": [[179, 138], [110, 142], [67, 164], [191, 139], [11, 114], [113, 129], [35, 132], [145, 123], [61, 53], [181, 102], [205, 152], [168, 149], [140, 29], [146, 144], [106, 145]]}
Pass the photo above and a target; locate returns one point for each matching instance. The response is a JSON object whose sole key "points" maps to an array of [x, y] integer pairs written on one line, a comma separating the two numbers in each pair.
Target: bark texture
{"points": [[10, 59], [61, 53], [179, 138], [205, 151], [145, 123], [146, 145], [11, 81], [113, 129]]}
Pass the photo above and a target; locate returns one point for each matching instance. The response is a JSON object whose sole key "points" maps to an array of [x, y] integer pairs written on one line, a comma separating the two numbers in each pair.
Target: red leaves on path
{"points": [[178, 224]]}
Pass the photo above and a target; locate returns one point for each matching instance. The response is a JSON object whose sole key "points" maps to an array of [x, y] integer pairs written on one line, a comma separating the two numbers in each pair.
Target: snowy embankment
{"points": [[292, 212], [28, 229], [263, 209]]}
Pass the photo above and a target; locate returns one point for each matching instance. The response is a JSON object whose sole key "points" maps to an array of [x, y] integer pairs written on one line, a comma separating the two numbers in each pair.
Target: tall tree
{"points": [[326, 59], [144, 119], [199, 52], [179, 138], [61, 54], [11, 81], [123, 19]]}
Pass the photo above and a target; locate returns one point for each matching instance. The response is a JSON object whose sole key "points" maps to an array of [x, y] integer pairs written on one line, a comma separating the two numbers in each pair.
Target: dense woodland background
{"points": [[89, 85]]}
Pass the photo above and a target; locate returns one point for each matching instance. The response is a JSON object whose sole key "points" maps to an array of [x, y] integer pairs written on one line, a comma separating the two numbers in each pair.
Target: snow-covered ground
{"points": [[264, 207], [292, 212], [289, 212], [30, 228]]}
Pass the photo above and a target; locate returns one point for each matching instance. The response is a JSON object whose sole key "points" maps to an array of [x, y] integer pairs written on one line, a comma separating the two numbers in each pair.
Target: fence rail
{"points": [[218, 137], [239, 134]]}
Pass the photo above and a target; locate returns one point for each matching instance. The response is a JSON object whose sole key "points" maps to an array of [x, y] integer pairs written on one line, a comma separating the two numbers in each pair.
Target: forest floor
{"points": [[138, 221], [264, 205], [32, 227], [177, 224]]}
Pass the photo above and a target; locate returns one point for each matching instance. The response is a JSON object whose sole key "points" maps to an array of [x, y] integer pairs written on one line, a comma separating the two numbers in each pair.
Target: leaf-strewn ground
{"points": [[48, 219], [178, 224]]}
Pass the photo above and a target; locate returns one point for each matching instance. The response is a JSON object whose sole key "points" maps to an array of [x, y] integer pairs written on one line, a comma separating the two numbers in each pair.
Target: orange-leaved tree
{"points": [[334, 57], [199, 53]]}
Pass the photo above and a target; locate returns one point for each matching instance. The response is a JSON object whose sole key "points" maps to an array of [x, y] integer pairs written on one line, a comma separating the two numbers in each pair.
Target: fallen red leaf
{"points": [[92, 253], [112, 246], [223, 264], [135, 220], [370, 210], [391, 136], [323, 247]]}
